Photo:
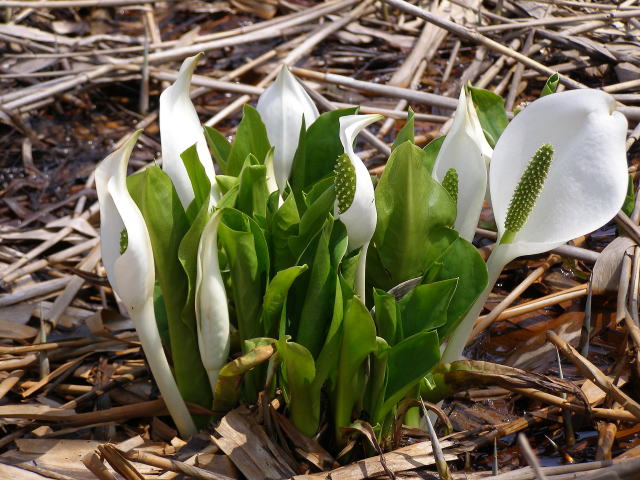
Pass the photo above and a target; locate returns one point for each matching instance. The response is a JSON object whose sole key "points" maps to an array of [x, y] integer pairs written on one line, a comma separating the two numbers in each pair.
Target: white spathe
{"points": [[587, 180], [466, 150], [212, 313], [282, 107], [180, 128], [132, 274], [360, 218], [584, 189]]}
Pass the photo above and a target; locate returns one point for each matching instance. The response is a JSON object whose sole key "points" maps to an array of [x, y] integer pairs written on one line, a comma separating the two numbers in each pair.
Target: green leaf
{"points": [[410, 205], [248, 260], [304, 397], [358, 342], [387, 315], [461, 261], [327, 362], [252, 191], [320, 204], [199, 181], [317, 290], [251, 138], [406, 132], [551, 85], [282, 224], [377, 384], [219, 146], [409, 361], [229, 384], [167, 224], [226, 183], [432, 149], [276, 296], [630, 198], [425, 307], [160, 311], [317, 153], [491, 113]]}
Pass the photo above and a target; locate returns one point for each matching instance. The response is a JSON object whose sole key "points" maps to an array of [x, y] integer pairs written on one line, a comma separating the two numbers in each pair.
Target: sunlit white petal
{"points": [[585, 186], [361, 217], [212, 314], [131, 273], [466, 150], [587, 181], [180, 128], [282, 107]]}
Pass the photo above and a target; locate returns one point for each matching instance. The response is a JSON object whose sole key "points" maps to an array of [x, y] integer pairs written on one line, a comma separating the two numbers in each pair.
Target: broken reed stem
{"points": [[479, 39], [483, 322], [593, 373], [531, 457], [172, 465], [546, 301]]}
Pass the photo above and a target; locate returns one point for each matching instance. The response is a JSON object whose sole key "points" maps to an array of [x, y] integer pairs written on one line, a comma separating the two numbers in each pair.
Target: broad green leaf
{"points": [[199, 180], [377, 383], [432, 149], [219, 146], [460, 261], [317, 290], [410, 205], [229, 384], [276, 296], [167, 224], [282, 224], [321, 147], [551, 85], [630, 198], [326, 364], [406, 132], [358, 342], [251, 138], [252, 190], [226, 183], [491, 113], [409, 361], [160, 310], [304, 396], [321, 200], [425, 307], [248, 260], [387, 316]]}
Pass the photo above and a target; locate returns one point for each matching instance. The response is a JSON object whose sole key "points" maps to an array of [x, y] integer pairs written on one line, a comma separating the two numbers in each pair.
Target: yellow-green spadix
{"points": [[282, 107], [584, 188], [128, 259], [180, 129], [466, 150]]}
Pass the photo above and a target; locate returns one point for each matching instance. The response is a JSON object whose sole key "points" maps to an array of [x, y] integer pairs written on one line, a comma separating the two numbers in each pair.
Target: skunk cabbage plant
{"points": [[212, 313], [180, 129], [355, 201], [283, 106], [461, 165], [128, 259], [558, 171]]}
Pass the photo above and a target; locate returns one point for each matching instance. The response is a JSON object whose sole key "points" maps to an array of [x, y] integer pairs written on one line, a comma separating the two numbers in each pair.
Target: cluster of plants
{"points": [[292, 271]]}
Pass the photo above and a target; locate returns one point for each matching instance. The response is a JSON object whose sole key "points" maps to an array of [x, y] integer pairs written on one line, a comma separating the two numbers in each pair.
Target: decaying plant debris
{"points": [[79, 75]]}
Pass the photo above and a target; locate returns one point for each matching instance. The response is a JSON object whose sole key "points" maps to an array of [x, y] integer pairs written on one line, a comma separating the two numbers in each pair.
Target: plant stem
{"points": [[360, 285], [458, 339], [145, 323]]}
